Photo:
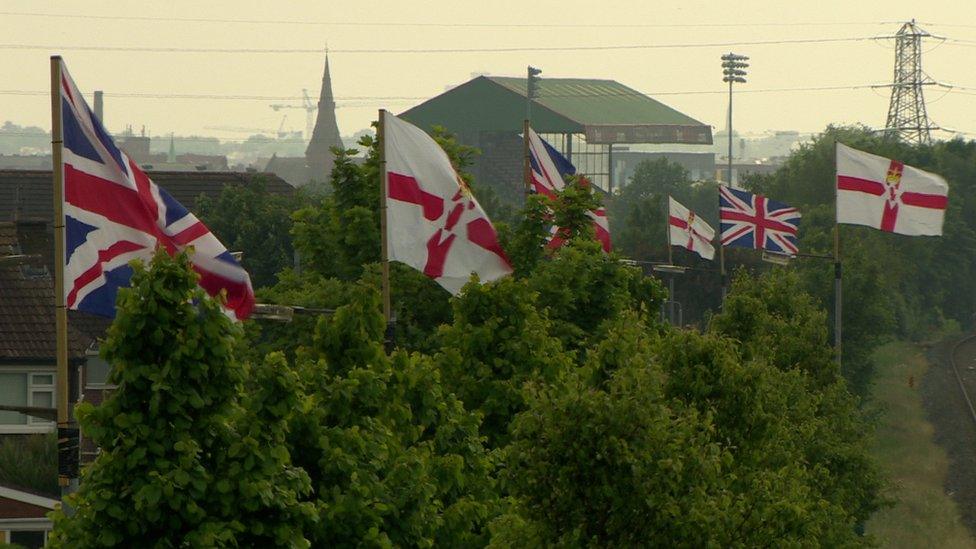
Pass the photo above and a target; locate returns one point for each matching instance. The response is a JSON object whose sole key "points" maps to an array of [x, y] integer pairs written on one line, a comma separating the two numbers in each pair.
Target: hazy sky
{"points": [[664, 73]]}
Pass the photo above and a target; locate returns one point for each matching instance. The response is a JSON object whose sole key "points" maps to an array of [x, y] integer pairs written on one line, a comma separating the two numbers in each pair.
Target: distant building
{"points": [[317, 163], [325, 135], [741, 170], [699, 165], [582, 118]]}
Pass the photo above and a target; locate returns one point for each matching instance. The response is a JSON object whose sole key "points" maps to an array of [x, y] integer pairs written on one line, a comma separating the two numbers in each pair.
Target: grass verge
{"points": [[923, 514]]}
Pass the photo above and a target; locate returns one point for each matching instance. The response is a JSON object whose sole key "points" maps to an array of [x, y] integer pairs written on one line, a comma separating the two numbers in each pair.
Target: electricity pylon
{"points": [[907, 118]]}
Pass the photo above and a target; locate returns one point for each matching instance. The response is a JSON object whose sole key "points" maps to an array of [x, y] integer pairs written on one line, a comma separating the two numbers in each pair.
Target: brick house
{"points": [[22, 517]]}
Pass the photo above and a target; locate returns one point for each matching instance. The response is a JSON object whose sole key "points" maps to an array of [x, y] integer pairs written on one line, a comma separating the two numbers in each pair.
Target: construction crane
{"points": [[281, 133], [309, 106], [237, 129]]}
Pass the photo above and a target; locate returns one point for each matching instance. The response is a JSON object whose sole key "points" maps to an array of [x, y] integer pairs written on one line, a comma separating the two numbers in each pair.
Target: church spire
{"points": [[325, 135]]}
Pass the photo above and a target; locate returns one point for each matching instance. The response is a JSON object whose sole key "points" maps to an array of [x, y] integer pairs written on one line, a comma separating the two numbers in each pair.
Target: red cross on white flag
{"points": [[888, 195], [689, 231], [434, 223]]}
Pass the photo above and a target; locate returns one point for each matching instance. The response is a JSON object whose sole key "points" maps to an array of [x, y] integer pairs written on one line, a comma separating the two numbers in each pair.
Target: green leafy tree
{"points": [[498, 341], [581, 288], [820, 422], [675, 438], [395, 460], [802, 471], [183, 463], [613, 465], [249, 219]]}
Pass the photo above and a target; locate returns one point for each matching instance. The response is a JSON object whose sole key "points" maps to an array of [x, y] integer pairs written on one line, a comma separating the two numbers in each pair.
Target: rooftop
{"points": [[28, 194], [27, 300], [605, 111], [589, 101]]}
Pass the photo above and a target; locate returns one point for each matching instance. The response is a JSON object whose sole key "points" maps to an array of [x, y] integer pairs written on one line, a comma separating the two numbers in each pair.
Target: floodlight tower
{"points": [[733, 71]]}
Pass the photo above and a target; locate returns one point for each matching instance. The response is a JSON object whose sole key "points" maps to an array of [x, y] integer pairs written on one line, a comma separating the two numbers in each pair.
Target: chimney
{"points": [[98, 106]]}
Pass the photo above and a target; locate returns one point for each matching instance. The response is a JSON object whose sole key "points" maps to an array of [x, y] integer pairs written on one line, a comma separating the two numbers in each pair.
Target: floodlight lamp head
{"points": [[534, 71], [734, 65], [734, 57]]}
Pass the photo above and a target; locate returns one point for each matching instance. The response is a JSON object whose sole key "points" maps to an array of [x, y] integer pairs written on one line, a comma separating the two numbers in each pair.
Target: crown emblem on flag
{"points": [[894, 173]]}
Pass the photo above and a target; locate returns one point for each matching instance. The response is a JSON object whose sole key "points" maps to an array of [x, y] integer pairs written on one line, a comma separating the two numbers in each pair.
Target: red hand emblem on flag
{"points": [[893, 181], [439, 245]]}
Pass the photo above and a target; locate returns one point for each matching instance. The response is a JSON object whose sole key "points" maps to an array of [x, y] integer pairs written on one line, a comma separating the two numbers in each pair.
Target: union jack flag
{"points": [[754, 221], [113, 213], [548, 171]]}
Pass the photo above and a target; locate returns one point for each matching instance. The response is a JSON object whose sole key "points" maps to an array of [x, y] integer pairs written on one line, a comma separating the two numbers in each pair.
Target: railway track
{"points": [[964, 347]]}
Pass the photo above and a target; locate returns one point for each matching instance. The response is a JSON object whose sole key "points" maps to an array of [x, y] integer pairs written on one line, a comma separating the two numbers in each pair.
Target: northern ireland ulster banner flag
{"points": [[689, 231], [113, 214], [888, 195], [434, 224]]}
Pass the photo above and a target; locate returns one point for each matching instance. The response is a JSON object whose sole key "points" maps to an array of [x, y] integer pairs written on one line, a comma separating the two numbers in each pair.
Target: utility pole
{"points": [[907, 119], [531, 90]]}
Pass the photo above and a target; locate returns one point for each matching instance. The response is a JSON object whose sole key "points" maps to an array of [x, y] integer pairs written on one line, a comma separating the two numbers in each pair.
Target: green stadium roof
{"points": [[605, 110]]}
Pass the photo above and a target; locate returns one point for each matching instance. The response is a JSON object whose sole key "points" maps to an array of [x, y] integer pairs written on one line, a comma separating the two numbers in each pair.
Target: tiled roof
{"points": [[28, 193], [27, 301]]}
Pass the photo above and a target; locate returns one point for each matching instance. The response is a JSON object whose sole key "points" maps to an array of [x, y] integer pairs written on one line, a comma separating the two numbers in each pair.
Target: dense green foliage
{"points": [[395, 460], [894, 286], [186, 460], [551, 407], [251, 220]]}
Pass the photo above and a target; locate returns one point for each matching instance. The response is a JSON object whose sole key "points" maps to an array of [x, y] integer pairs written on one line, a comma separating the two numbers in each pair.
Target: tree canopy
{"points": [[552, 407]]}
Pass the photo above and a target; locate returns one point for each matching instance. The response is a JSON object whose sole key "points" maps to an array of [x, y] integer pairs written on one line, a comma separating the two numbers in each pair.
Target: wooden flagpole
{"points": [[67, 433], [385, 259], [838, 274]]}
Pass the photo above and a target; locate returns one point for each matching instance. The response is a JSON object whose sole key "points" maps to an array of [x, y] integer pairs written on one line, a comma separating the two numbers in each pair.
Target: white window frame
{"points": [[33, 425], [92, 352], [33, 387]]}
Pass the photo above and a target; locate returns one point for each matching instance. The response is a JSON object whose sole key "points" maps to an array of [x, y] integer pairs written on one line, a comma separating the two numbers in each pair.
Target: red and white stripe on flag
{"points": [[434, 223], [885, 194], [689, 231]]}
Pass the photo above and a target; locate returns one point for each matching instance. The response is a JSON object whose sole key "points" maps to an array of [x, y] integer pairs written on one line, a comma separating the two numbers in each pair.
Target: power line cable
{"points": [[432, 24], [239, 97], [514, 49]]}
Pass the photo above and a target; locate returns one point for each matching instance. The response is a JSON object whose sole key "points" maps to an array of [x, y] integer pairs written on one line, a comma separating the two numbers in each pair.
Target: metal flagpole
{"points": [[667, 228], [667, 231], [526, 163], [838, 274], [67, 430], [721, 255], [384, 244]]}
